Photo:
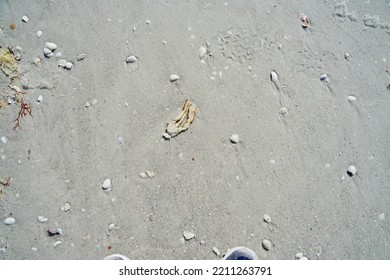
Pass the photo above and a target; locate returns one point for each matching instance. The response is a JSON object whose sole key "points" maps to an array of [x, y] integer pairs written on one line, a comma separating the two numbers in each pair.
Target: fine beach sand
{"points": [[290, 164]]}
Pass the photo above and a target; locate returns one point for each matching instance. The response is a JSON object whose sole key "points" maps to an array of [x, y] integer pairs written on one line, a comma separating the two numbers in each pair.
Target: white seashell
{"points": [[68, 65], [57, 243], [42, 219], [351, 98], [106, 184], [351, 170], [131, 59], [51, 46], [25, 18], [9, 221], [39, 33], [267, 218], [216, 251], [174, 77], [267, 245], [202, 51], [87, 104], [111, 226], [188, 235], [40, 98], [151, 174], [142, 175], [234, 138], [303, 258]]}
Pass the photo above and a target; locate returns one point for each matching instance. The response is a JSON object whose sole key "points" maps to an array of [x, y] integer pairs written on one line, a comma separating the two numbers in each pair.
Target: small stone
{"points": [[347, 56], [351, 170], [106, 184], [188, 235], [51, 46], [351, 98], [298, 255], [111, 226], [303, 258], [81, 56], [87, 104], [382, 216], [234, 138], [37, 61], [39, 33], [25, 18], [147, 22], [9, 221], [131, 59], [66, 207], [202, 242], [3, 140], [58, 54], [143, 175], [40, 98], [202, 51], [166, 136], [57, 243], [94, 102], [54, 231], [174, 78], [121, 140], [182, 240], [274, 77], [47, 52], [324, 78], [272, 162], [42, 219], [216, 251], [151, 174], [267, 218], [267, 245], [68, 65], [283, 111]]}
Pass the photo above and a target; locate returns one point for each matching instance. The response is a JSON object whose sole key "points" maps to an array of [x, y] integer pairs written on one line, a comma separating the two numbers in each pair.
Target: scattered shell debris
{"points": [[304, 19], [182, 122]]}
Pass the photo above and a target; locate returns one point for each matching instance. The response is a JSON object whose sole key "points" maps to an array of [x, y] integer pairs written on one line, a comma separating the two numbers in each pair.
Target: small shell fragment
{"points": [[188, 235], [131, 59], [234, 138], [57, 243], [267, 245], [202, 51], [351, 170], [51, 46], [267, 218], [351, 98], [274, 77], [216, 251], [324, 78], [174, 78], [42, 219], [151, 174], [25, 18]]}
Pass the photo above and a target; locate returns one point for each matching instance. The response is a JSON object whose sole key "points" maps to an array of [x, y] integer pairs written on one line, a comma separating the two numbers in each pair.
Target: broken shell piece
{"points": [[234, 138], [57, 243], [151, 174], [183, 121], [174, 77], [274, 77], [304, 19], [202, 51], [53, 231]]}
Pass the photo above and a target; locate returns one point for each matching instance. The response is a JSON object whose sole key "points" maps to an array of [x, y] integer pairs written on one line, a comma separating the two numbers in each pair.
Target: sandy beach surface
{"points": [[305, 85]]}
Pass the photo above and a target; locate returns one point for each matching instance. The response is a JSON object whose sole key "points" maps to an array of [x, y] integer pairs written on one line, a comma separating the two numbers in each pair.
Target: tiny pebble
{"points": [[274, 76], [202, 51], [267, 245], [3, 140], [272, 162], [298, 255], [40, 98], [51, 46], [351, 98], [216, 251], [37, 61], [283, 111], [42, 219], [202, 242], [351, 170], [121, 140], [25, 18], [303, 258], [151, 174], [324, 78], [382, 216], [174, 77], [47, 52], [94, 101], [267, 218], [81, 56], [106, 184], [9, 221], [57, 243], [87, 104], [166, 136], [131, 59], [234, 138], [58, 54], [142, 175], [147, 21], [39, 33], [188, 235], [111, 226], [66, 207], [182, 240], [68, 65]]}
